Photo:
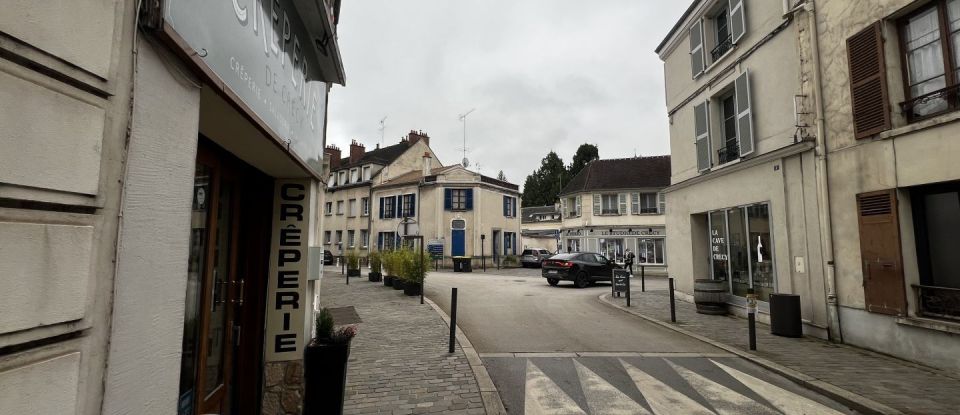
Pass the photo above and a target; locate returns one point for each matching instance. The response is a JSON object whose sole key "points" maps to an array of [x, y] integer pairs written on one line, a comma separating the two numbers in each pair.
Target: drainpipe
{"points": [[823, 187]]}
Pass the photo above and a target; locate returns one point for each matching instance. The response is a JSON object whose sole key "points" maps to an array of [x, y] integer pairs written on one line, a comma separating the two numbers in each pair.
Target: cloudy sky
{"points": [[541, 74]]}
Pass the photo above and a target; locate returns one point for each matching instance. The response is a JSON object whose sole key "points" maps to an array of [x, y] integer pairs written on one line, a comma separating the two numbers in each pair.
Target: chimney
{"points": [[356, 151], [415, 136], [427, 161], [334, 153]]}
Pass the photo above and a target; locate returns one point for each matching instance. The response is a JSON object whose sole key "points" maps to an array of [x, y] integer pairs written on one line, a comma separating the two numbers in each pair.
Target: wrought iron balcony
{"points": [[931, 103], [721, 48], [938, 302], [729, 153]]}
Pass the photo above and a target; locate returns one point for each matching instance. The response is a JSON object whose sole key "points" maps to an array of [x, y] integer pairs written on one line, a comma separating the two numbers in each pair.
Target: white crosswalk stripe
{"points": [[725, 401], [786, 401], [544, 397], [661, 397], [604, 398]]}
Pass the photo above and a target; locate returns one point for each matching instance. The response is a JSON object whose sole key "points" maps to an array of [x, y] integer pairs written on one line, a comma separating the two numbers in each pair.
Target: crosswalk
{"points": [[647, 386]]}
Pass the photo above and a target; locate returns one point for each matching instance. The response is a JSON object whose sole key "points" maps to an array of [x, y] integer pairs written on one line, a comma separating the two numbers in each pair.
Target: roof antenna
{"points": [[463, 118], [383, 127]]}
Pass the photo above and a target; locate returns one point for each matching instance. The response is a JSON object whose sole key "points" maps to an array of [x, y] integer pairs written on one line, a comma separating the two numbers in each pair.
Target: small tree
{"points": [[415, 266], [353, 260], [375, 261]]}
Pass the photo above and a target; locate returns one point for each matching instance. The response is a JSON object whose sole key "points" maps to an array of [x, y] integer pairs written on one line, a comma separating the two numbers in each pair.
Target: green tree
{"points": [[545, 183], [584, 155], [502, 177]]}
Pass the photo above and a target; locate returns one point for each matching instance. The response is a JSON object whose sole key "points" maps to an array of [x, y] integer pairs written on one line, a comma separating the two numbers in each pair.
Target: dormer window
{"points": [[342, 178], [366, 173], [354, 175]]}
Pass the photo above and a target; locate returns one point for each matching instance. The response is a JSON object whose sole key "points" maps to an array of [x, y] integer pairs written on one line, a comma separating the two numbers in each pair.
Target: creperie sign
{"points": [[286, 311]]}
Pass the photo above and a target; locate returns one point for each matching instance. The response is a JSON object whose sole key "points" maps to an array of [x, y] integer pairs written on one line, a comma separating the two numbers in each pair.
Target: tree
{"points": [[584, 155], [544, 184], [501, 177]]}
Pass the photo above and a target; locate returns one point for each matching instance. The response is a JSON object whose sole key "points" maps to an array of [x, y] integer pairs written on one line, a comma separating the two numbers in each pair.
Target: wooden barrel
{"points": [[710, 296]]}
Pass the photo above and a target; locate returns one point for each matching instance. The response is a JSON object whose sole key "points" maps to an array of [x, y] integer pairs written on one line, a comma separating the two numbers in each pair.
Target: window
{"points": [[408, 207], [510, 207], [729, 149], [608, 204], [736, 125], [931, 75], [342, 178], [722, 41], [350, 239], [386, 241], [365, 206], [332, 181], [718, 32], [366, 173], [650, 251], [388, 207], [458, 199], [339, 207], [643, 203], [339, 240], [742, 249], [510, 243], [573, 207], [364, 238], [354, 175], [326, 237], [352, 208], [936, 214], [612, 248], [328, 208]]}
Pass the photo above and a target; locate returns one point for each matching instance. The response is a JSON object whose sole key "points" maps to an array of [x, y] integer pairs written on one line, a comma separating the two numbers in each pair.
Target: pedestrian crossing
{"points": [[648, 386]]}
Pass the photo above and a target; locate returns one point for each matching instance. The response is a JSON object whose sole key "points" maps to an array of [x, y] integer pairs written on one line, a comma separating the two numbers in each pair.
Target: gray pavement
{"points": [[399, 362]]}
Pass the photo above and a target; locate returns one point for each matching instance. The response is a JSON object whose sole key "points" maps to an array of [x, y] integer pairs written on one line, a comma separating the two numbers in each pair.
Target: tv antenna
{"points": [[463, 118], [383, 126]]}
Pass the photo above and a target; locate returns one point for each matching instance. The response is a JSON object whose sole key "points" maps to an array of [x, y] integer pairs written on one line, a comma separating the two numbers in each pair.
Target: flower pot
{"points": [[325, 377], [388, 281], [353, 272], [412, 288], [398, 283], [374, 276]]}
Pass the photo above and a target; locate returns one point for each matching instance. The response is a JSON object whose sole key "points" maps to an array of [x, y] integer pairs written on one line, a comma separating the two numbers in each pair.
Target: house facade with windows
{"points": [[617, 204], [894, 181], [540, 227], [744, 189]]}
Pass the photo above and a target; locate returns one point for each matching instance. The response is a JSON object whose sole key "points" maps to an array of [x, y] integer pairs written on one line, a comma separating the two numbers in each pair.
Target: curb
{"points": [[488, 392], [857, 402]]}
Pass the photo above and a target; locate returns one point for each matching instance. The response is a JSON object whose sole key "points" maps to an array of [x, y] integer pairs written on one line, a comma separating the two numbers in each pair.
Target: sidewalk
{"points": [[399, 362], [845, 373]]}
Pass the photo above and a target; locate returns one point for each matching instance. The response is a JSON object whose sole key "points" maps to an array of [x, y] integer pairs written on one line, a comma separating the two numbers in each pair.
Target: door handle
{"points": [[239, 299]]}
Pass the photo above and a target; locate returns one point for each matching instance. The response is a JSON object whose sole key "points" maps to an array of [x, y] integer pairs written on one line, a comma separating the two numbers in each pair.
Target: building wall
{"points": [[64, 107], [345, 222], [589, 218]]}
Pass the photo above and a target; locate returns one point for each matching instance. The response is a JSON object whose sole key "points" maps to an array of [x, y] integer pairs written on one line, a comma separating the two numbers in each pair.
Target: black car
{"points": [[583, 268], [327, 257]]}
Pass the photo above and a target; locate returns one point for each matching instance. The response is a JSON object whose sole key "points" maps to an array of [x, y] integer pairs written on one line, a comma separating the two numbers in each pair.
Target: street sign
{"points": [[621, 283], [435, 248]]}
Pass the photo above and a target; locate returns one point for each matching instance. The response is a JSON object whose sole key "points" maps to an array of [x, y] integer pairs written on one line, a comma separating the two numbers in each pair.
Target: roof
{"points": [[527, 213], [384, 156], [414, 176], [676, 26], [617, 174]]}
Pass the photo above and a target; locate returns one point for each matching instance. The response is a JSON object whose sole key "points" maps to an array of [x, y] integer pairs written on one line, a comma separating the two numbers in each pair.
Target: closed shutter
{"points": [[469, 198], [622, 209], [738, 24], [396, 206], [381, 208], [506, 206], [662, 205], [513, 207], [447, 199], [635, 203], [413, 205], [596, 205], [696, 48], [883, 286], [868, 82], [701, 128], [744, 114], [579, 205]]}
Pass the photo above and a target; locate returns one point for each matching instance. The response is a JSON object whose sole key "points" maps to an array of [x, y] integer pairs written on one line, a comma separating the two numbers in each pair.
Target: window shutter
{"points": [[596, 204], [469, 198], [662, 206], [701, 128], [505, 206], [744, 114], [579, 205], [635, 203], [738, 25], [622, 209], [413, 204], [396, 206], [696, 48], [381, 208], [447, 199], [883, 285], [514, 205], [868, 82]]}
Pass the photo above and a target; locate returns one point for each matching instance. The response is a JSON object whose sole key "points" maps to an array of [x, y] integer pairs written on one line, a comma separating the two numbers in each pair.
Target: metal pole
{"points": [[673, 307], [423, 282], [628, 291], [643, 281], [483, 259], [752, 318], [453, 318]]}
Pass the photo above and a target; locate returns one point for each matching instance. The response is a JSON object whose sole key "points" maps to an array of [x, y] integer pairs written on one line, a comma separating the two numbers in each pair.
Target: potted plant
{"points": [[325, 366], [353, 263], [415, 269], [375, 264], [399, 262], [387, 262]]}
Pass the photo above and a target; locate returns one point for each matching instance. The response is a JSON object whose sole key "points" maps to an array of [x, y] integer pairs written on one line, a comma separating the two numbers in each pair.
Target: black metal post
{"points": [[628, 291], [752, 322], [643, 280], [673, 307], [423, 283], [453, 319]]}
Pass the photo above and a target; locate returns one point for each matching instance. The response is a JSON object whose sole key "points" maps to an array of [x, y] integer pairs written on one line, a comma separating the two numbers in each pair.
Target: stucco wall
{"points": [[588, 218], [345, 222]]}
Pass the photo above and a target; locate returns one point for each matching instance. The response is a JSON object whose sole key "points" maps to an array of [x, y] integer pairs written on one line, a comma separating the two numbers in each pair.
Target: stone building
{"points": [[150, 158], [540, 227], [617, 204]]}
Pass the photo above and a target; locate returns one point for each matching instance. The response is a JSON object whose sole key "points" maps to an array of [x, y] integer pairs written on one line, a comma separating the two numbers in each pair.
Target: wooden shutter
{"points": [[506, 206], [696, 48], [738, 23], [597, 208], [469, 198], [579, 205], [413, 204], [381, 208], [514, 207], [622, 209], [868, 82], [701, 128], [744, 114], [883, 286], [447, 199]]}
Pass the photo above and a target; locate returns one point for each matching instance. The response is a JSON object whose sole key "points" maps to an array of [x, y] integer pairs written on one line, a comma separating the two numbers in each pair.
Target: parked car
{"points": [[583, 268], [327, 257], [533, 257]]}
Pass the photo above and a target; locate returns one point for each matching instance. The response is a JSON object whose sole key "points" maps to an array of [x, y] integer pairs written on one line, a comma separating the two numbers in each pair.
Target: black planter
{"points": [[374, 276], [412, 288], [388, 281], [325, 378], [353, 272], [398, 284]]}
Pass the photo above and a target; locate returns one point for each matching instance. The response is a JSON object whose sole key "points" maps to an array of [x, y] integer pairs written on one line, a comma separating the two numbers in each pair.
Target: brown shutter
{"points": [[883, 288], [868, 82]]}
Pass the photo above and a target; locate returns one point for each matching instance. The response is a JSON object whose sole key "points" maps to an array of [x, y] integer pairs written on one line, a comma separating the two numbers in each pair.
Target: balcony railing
{"points": [[938, 302], [729, 153], [931, 103], [721, 48]]}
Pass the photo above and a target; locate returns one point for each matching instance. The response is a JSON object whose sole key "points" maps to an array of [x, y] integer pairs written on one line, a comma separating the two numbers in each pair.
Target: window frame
{"points": [[604, 211], [328, 208], [365, 173], [364, 206], [407, 205], [389, 208], [340, 206], [352, 208], [458, 199], [952, 88]]}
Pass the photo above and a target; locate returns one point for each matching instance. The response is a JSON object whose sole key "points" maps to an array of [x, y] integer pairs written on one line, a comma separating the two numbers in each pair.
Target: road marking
{"points": [[725, 401], [604, 398], [543, 397], [786, 401], [662, 398]]}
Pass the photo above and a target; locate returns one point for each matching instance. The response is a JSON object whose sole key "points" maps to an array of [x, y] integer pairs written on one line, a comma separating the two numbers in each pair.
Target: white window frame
{"points": [[351, 238], [328, 208], [354, 175], [352, 208], [339, 208], [342, 177], [366, 173], [327, 235], [365, 206]]}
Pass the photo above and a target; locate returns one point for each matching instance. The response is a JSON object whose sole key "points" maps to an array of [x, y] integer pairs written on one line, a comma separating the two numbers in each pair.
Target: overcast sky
{"points": [[542, 75]]}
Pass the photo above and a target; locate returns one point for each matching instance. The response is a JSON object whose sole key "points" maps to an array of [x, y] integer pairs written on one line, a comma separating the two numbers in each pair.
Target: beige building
{"points": [[540, 227], [152, 162], [617, 204]]}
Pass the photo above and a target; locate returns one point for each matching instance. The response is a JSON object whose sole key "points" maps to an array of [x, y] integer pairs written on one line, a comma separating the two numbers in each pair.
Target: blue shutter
{"points": [[396, 206], [514, 237], [413, 204], [514, 213], [447, 199], [380, 234], [469, 193], [381, 208], [506, 206]]}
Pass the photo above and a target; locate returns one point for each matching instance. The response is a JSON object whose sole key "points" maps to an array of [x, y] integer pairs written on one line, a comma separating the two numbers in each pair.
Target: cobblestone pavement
{"points": [[399, 362], [901, 385]]}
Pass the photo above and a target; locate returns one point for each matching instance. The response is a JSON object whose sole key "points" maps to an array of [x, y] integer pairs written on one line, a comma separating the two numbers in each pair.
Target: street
{"points": [[558, 350]]}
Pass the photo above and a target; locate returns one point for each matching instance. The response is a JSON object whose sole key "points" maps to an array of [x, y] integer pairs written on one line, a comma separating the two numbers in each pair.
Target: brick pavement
{"points": [[399, 362], [901, 385]]}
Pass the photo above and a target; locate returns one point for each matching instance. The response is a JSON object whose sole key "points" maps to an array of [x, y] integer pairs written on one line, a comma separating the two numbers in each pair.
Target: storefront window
{"points": [[742, 249], [612, 248], [195, 266], [650, 251], [719, 263], [739, 263], [573, 245], [761, 250]]}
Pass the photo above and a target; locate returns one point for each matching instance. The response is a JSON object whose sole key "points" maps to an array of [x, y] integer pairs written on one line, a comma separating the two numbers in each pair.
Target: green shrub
{"points": [[324, 323], [415, 266], [511, 260], [353, 259], [389, 263], [375, 261]]}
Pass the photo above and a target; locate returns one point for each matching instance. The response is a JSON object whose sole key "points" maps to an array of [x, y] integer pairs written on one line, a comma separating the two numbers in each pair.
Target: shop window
{"points": [[650, 251], [742, 249], [936, 212], [612, 248]]}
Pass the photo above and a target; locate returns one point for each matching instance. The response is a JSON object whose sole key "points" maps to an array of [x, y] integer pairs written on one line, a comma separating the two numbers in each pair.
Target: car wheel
{"points": [[553, 281], [582, 280]]}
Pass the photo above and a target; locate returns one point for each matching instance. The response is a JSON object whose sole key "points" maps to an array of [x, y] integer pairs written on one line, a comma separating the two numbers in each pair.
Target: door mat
{"points": [[345, 315]]}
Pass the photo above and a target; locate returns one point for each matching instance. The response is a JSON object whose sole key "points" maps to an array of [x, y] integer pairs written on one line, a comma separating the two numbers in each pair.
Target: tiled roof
{"points": [[527, 213], [384, 156], [413, 176], [617, 174]]}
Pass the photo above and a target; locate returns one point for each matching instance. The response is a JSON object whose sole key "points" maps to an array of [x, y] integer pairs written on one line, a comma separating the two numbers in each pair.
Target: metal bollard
{"points": [[643, 281], [453, 319], [673, 306], [752, 318]]}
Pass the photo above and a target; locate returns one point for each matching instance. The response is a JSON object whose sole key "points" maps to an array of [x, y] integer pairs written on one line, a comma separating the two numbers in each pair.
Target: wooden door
{"points": [[883, 285]]}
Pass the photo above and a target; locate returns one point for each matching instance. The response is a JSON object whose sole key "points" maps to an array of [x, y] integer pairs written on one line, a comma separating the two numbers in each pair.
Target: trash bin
{"points": [[462, 264], [785, 315]]}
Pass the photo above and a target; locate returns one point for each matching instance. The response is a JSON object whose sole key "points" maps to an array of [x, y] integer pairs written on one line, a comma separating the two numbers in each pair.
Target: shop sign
{"points": [[630, 232], [287, 302], [718, 245], [263, 52], [621, 281]]}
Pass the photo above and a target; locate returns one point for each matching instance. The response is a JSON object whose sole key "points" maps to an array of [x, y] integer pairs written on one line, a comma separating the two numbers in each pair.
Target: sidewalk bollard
{"points": [[673, 307], [752, 318], [643, 281], [453, 319]]}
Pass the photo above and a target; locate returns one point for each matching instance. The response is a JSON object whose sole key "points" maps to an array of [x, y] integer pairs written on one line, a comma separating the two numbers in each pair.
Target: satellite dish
{"points": [[466, 162]]}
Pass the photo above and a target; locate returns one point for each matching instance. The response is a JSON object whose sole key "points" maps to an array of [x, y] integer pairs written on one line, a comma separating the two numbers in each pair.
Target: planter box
{"points": [[398, 284], [374, 276], [353, 272], [388, 281], [412, 288], [325, 378]]}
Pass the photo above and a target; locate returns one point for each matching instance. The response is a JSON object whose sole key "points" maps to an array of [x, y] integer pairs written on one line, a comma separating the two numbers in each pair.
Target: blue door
{"points": [[458, 247]]}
